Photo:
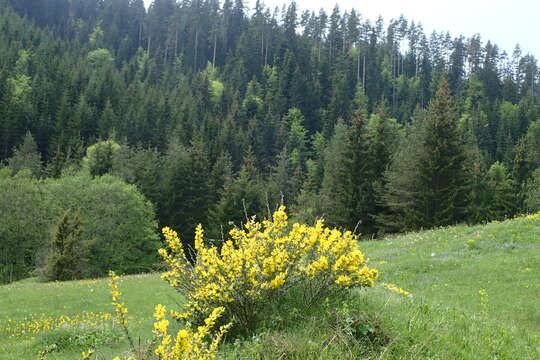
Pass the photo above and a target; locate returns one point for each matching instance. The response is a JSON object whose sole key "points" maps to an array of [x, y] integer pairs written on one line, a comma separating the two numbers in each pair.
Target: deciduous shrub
{"points": [[260, 263], [24, 224], [118, 223], [189, 343]]}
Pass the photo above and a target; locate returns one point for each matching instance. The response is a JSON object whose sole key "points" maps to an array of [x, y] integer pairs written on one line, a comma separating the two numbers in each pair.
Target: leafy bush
{"points": [[119, 230], [24, 224], [118, 223], [260, 264]]}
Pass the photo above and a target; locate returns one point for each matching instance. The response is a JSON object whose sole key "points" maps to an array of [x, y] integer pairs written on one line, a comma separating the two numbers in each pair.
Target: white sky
{"points": [[504, 22]]}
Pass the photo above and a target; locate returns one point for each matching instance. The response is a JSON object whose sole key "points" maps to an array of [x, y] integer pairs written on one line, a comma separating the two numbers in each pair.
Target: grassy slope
{"points": [[447, 268], [444, 319]]}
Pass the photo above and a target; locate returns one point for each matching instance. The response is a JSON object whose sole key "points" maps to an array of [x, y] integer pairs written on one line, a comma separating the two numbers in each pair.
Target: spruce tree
{"points": [[428, 180], [441, 167], [26, 156], [68, 255], [333, 191]]}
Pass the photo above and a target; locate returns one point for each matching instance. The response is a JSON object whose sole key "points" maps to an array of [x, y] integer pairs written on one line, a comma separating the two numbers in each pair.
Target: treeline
{"points": [[74, 226], [215, 113]]}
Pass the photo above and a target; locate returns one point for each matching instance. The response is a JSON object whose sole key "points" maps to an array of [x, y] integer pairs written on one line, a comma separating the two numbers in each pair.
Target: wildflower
{"points": [[159, 312], [396, 289]]}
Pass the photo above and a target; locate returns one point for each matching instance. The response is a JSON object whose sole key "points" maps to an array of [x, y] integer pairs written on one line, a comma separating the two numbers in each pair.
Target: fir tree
{"points": [[68, 256], [427, 182]]}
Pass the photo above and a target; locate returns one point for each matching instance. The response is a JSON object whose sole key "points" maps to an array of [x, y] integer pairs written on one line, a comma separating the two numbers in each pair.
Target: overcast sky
{"points": [[505, 22]]}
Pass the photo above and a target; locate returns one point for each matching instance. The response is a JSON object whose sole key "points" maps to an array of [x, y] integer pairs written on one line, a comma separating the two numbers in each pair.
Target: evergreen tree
{"points": [[503, 204], [333, 191], [67, 257], [244, 197], [442, 165], [427, 187], [26, 156], [532, 200]]}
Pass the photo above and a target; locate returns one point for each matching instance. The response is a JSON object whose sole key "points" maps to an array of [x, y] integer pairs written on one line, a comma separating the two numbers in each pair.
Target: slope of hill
{"points": [[475, 294]]}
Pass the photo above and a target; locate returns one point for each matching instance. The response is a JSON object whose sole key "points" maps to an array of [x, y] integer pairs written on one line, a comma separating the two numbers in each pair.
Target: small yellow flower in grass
{"points": [[483, 300], [120, 307], [396, 289], [87, 354]]}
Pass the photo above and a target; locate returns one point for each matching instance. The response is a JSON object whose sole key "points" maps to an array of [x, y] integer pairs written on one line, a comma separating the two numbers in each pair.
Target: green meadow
{"points": [[475, 294]]}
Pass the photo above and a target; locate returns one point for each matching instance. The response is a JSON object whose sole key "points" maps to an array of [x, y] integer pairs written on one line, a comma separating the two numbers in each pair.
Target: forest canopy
{"points": [[215, 114]]}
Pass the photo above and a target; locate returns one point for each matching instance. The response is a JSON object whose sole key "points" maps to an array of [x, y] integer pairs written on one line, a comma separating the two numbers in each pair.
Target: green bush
{"points": [[119, 230], [119, 226], [24, 224]]}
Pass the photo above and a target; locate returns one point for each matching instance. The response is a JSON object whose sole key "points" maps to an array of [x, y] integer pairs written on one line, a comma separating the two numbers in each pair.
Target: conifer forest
{"points": [[117, 119]]}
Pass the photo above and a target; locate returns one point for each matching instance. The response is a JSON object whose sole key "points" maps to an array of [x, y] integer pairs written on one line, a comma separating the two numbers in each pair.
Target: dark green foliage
{"points": [[332, 190], [503, 203], [189, 88], [431, 177], [26, 156], [360, 175], [186, 190], [244, 197], [532, 199], [68, 256], [441, 165]]}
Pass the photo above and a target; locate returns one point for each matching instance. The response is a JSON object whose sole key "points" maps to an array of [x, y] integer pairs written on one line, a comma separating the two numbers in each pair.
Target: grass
{"points": [[475, 295], [32, 300]]}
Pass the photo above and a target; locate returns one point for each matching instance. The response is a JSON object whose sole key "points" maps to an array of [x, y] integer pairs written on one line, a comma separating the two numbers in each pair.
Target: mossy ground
{"points": [[476, 295]]}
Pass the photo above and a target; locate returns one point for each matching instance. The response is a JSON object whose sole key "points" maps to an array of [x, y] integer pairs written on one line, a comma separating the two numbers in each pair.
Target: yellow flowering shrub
{"points": [[187, 344], [261, 261]]}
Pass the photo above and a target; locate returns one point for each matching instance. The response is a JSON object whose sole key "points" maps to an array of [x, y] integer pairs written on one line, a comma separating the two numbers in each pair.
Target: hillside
{"points": [[474, 292], [212, 110]]}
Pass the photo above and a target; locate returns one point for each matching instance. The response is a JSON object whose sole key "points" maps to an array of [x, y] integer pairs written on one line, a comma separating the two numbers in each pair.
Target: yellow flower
{"points": [[396, 289], [343, 280], [161, 326], [159, 312]]}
